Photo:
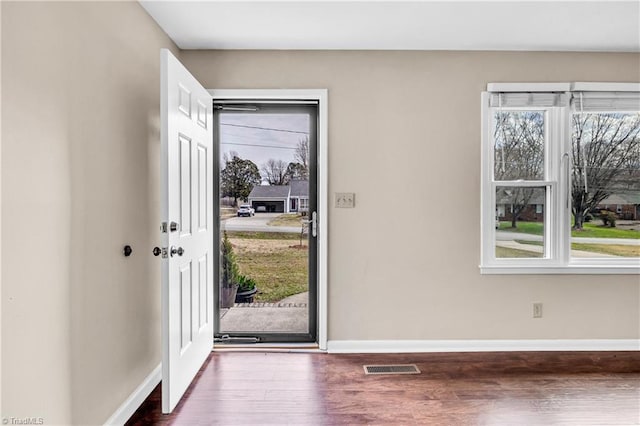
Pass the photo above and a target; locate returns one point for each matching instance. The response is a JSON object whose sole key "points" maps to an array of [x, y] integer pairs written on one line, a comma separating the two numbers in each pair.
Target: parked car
{"points": [[246, 210]]}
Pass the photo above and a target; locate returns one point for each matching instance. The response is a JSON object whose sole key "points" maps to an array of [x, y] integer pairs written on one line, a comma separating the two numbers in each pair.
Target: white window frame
{"points": [[557, 211]]}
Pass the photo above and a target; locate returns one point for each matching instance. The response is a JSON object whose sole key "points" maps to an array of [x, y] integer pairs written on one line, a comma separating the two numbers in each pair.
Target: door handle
{"points": [[179, 251], [314, 224]]}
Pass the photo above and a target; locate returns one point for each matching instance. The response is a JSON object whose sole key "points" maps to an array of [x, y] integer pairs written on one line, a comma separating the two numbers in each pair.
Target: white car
{"points": [[246, 210]]}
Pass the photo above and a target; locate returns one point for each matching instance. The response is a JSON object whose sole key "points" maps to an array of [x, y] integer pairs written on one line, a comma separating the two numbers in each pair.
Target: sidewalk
{"points": [[290, 315], [538, 249]]}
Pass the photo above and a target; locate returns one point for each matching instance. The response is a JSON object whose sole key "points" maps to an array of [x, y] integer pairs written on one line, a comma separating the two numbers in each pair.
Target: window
{"points": [[561, 178]]}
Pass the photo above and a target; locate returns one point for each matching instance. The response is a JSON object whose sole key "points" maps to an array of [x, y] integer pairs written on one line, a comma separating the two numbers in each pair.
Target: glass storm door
{"points": [[267, 262]]}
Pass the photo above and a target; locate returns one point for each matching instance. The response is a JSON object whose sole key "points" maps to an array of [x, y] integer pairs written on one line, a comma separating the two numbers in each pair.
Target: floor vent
{"points": [[391, 369]]}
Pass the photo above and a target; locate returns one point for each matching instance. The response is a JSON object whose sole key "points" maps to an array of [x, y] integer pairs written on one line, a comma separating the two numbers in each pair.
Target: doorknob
{"points": [[179, 251]]}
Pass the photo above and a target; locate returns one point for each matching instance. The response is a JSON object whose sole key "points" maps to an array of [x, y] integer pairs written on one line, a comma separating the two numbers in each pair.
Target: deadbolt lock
{"points": [[171, 227], [157, 251], [179, 251]]}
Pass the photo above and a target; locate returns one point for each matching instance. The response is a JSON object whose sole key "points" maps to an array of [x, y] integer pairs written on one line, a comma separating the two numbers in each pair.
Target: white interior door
{"points": [[187, 201]]}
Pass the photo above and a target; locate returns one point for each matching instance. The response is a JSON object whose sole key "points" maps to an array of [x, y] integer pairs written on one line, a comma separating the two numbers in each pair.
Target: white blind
{"points": [[528, 99], [605, 101]]}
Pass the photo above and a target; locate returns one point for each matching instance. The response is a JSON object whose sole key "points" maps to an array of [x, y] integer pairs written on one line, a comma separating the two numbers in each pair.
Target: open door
{"points": [[187, 212]]}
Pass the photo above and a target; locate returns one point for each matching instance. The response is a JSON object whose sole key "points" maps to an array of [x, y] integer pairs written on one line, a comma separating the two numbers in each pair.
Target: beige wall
{"points": [[404, 135], [80, 142]]}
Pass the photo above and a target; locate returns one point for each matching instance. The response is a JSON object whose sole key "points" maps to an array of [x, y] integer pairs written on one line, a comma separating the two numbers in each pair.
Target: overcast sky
{"points": [[259, 137]]}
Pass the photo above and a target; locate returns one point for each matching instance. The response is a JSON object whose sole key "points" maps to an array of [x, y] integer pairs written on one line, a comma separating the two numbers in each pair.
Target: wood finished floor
{"points": [[512, 388]]}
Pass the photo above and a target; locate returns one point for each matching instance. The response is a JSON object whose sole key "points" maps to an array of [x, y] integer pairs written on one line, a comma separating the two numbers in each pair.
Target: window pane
{"points": [[605, 190], [520, 222], [519, 145]]}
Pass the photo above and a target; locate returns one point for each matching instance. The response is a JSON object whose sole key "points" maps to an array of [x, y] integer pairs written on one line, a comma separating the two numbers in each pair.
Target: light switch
{"points": [[345, 200]]}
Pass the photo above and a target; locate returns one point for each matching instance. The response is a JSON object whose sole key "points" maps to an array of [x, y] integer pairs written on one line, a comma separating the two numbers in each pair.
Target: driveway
{"points": [[257, 223]]}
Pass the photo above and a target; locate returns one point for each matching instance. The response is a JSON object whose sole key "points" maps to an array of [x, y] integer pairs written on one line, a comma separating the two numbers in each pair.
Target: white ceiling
{"points": [[399, 25]]}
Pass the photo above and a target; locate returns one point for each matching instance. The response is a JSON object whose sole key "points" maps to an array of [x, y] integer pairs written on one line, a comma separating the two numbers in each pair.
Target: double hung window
{"points": [[561, 178]]}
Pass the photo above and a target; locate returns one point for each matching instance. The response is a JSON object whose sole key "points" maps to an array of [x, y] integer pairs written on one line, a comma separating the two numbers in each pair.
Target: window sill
{"points": [[569, 269]]}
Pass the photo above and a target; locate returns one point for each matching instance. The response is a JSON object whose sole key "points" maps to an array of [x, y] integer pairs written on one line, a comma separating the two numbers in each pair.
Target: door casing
{"points": [[321, 96]]}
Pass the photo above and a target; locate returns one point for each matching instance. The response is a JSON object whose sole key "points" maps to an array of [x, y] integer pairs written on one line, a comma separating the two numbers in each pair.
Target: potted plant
{"points": [[246, 289], [230, 274]]}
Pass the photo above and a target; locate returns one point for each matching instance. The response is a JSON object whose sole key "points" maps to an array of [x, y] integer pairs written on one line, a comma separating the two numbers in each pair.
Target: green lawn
{"points": [[274, 260], [286, 219], [591, 230]]}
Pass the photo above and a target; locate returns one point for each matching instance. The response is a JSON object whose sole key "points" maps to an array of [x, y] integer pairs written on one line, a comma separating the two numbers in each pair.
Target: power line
{"points": [[258, 145], [264, 128]]}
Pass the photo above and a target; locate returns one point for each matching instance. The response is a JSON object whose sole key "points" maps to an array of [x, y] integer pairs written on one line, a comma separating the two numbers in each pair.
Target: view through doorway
{"points": [[267, 280]]}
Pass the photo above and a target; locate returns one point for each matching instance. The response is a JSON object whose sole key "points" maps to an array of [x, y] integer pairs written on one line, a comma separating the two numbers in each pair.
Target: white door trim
{"points": [[322, 96]]}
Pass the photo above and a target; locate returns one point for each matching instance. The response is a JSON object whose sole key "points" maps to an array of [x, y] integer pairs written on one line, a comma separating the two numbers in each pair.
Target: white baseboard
{"points": [[408, 346], [137, 397]]}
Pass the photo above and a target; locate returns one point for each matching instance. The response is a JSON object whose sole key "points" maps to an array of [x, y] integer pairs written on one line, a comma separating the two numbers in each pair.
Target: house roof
{"points": [[299, 188], [503, 197], [269, 191], [630, 198]]}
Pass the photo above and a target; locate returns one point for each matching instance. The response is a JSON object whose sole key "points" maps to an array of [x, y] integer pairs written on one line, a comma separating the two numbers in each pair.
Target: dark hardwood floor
{"points": [[506, 388]]}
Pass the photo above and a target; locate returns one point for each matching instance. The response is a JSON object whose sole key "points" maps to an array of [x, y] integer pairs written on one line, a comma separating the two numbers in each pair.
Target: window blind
{"points": [[527, 99], [605, 101]]}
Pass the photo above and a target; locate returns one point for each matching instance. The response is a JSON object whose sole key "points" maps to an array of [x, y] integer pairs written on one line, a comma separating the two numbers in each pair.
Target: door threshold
{"points": [[268, 347]]}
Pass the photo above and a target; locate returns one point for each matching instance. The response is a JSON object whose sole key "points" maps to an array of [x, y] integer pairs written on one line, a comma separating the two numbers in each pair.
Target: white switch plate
{"points": [[345, 200]]}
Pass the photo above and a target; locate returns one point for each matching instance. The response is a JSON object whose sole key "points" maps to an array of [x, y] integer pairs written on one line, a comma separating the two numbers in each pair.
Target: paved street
{"points": [[257, 223]]}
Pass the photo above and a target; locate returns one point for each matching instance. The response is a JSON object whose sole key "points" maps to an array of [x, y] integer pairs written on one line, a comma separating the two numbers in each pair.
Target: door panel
{"points": [[187, 270]]}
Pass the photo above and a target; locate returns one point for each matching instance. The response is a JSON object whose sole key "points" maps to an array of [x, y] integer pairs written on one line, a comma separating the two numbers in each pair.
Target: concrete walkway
{"points": [[290, 315], [538, 249], [506, 236]]}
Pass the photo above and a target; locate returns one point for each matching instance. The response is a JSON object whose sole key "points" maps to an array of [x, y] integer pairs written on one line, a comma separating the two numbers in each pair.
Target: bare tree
{"points": [[302, 152], [275, 172], [606, 159], [519, 155], [299, 169]]}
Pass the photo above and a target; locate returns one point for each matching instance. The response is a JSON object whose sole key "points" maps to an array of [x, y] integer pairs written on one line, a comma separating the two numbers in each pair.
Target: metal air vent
{"points": [[391, 369]]}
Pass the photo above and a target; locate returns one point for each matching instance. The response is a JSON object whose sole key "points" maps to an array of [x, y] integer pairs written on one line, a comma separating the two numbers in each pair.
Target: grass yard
{"points": [[591, 230], [279, 269], [504, 252], [535, 228], [286, 219], [612, 249]]}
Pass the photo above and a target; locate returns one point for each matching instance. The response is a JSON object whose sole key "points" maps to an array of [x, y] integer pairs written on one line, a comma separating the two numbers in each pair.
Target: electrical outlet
{"points": [[345, 200], [537, 310]]}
